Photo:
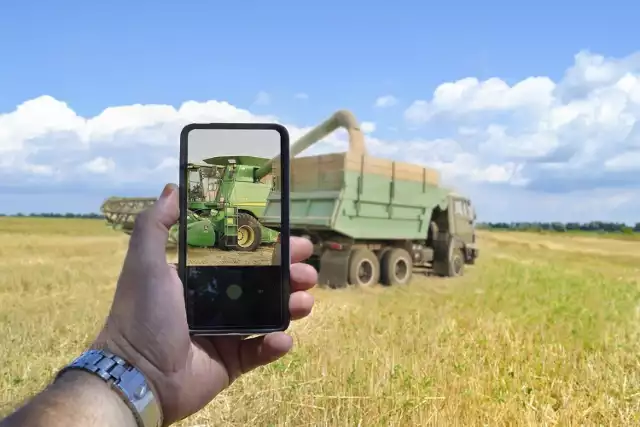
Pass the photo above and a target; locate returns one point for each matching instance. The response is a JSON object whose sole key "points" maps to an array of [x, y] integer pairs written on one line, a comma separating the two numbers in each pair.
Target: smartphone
{"points": [[230, 175]]}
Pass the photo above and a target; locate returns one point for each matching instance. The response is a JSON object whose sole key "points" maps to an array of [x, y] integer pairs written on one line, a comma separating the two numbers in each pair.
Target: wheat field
{"points": [[544, 330]]}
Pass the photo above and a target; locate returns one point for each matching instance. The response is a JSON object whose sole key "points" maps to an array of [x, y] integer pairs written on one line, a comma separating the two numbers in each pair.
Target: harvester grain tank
{"points": [[372, 220]]}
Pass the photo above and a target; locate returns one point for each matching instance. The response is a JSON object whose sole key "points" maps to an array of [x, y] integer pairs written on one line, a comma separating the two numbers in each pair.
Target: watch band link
{"points": [[126, 380]]}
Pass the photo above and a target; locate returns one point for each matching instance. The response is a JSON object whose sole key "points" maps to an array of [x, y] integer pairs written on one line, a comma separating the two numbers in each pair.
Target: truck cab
{"points": [[452, 235], [462, 218]]}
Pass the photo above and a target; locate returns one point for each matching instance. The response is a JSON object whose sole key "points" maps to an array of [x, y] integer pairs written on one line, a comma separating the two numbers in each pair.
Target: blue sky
{"points": [[341, 55]]}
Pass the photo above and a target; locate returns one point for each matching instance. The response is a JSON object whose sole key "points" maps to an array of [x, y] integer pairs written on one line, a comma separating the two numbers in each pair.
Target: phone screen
{"points": [[233, 213]]}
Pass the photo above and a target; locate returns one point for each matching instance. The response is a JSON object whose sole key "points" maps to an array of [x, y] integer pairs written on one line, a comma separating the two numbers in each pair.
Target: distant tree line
{"points": [[593, 226], [56, 215]]}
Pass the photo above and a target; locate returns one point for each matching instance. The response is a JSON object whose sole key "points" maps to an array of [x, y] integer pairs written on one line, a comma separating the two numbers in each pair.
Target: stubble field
{"points": [[544, 330], [206, 256]]}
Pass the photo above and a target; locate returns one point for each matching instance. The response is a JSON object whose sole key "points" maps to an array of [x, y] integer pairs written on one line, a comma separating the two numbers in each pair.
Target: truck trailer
{"points": [[371, 220]]}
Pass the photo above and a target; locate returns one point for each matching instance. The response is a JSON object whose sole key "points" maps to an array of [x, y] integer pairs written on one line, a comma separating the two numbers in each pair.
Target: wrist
{"points": [[88, 390], [157, 362], [125, 382], [76, 398]]}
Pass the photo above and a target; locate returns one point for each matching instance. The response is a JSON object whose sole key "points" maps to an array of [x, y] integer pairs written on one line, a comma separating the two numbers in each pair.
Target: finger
{"points": [[300, 305], [301, 249], [259, 351], [151, 229], [303, 277]]}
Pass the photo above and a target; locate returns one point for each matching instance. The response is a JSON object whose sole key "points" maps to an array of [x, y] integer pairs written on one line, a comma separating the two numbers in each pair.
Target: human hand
{"points": [[147, 324]]}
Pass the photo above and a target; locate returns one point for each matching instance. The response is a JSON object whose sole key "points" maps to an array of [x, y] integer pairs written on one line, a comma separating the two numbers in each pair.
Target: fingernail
{"points": [[167, 191]]}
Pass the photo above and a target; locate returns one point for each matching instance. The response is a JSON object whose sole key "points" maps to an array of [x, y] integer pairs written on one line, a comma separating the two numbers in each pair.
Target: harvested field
{"points": [[202, 256], [542, 331]]}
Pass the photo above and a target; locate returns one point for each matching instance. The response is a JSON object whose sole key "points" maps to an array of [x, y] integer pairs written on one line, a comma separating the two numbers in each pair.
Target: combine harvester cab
{"points": [[372, 220]]}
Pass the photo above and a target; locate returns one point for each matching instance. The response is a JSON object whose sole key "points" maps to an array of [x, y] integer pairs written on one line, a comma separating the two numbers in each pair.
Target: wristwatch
{"points": [[126, 380]]}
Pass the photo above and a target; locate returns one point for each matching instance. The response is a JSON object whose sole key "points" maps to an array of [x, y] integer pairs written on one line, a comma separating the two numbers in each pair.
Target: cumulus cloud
{"points": [[44, 142], [100, 165], [577, 134], [368, 127], [538, 148], [385, 101]]}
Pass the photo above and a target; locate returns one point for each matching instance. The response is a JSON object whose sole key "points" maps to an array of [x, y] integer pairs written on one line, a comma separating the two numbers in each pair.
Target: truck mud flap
{"points": [[440, 264], [472, 251], [334, 269]]}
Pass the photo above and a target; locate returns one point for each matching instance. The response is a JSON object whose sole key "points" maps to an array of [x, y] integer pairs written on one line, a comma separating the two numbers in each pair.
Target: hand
{"points": [[147, 324]]}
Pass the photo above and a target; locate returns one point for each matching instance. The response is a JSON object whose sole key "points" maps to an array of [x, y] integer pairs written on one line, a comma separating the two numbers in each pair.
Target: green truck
{"points": [[372, 220], [226, 196]]}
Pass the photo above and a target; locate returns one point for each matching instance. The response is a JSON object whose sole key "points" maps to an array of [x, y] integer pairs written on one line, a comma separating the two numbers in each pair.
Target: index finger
{"points": [[301, 249]]}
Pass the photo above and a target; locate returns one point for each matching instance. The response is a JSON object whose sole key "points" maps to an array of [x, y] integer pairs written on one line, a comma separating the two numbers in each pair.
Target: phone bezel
{"points": [[285, 269]]}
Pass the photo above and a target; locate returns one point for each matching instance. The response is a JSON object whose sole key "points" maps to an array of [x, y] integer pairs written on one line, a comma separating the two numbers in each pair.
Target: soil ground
{"points": [[262, 256], [214, 256]]}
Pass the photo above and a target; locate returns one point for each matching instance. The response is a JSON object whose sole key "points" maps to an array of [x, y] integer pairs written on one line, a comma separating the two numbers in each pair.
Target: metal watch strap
{"points": [[126, 380]]}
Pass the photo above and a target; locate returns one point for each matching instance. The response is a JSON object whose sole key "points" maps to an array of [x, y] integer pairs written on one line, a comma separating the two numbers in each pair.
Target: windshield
{"points": [[195, 185], [210, 178]]}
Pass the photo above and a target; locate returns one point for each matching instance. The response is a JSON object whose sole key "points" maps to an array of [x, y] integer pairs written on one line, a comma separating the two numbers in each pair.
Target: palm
{"points": [[214, 360], [222, 353], [211, 363], [147, 325]]}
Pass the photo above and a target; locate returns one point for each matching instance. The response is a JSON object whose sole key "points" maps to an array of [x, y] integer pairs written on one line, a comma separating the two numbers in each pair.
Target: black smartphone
{"points": [[236, 275]]}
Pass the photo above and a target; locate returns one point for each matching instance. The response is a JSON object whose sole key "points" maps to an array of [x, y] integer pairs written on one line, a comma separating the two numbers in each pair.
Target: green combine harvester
{"points": [[226, 197], [372, 220]]}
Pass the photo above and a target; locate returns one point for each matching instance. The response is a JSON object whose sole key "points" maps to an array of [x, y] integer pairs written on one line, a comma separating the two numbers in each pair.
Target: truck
{"points": [[372, 220], [225, 199]]}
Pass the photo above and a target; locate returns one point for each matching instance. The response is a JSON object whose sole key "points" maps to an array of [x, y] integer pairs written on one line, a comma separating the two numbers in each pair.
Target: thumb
{"points": [[262, 350], [151, 229]]}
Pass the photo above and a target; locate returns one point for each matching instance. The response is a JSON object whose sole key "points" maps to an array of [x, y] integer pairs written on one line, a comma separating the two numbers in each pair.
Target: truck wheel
{"points": [[364, 268], [381, 253], [249, 233], [396, 267], [456, 263]]}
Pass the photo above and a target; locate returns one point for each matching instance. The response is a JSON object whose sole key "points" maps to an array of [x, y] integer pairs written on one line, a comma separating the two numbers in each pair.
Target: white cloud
{"points": [[386, 101], [579, 133], [168, 163], [262, 98], [100, 165], [534, 148], [368, 127], [301, 95], [471, 95]]}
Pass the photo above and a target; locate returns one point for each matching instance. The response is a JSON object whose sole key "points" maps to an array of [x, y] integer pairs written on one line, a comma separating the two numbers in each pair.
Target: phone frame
{"points": [[285, 256]]}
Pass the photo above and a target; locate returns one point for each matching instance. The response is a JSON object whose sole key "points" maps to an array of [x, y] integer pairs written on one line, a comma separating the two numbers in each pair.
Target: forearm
{"points": [[76, 399]]}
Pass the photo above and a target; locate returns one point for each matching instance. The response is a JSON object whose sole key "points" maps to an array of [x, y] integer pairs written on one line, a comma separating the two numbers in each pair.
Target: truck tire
{"points": [[456, 263], [364, 268], [449, 259], [433, 231], [396, 267], [380, 253], [249, 233]]}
